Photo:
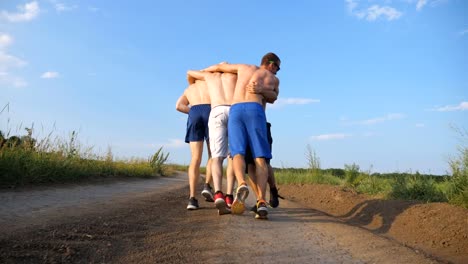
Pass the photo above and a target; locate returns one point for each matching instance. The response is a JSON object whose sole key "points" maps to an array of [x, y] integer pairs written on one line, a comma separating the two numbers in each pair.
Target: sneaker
{"points": [[220, 203], [253, 209], [229, 199], [207, 193], [274, 201], [262, 210], [238, 206], [192, 204]]}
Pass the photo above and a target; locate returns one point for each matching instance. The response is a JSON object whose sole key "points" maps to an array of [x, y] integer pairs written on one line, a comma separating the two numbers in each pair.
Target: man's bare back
{"points": [[247, 74], [220, 85], [195, 94]]}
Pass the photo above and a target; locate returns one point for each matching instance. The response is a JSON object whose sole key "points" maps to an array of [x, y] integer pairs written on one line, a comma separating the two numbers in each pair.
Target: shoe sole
{"points": [[221, 205], [260, 217], [237, 207], [208, 196], [242, 193], [192, 207], [262, 213]]}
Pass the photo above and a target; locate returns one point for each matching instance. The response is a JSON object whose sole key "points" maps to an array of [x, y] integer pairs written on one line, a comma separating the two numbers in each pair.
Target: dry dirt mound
{"points": [[439, 229]]}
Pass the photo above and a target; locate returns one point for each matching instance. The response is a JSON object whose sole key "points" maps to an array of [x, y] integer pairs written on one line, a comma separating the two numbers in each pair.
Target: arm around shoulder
{"points": [[224, 67], [192, 76]]}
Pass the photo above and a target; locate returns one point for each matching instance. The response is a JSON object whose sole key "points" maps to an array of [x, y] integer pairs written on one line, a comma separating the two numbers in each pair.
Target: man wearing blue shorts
{"points": [[195, 101], [247, 124]]}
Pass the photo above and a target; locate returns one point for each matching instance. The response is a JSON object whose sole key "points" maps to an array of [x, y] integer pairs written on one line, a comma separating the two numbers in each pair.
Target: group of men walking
{"points": [[226, 104]]}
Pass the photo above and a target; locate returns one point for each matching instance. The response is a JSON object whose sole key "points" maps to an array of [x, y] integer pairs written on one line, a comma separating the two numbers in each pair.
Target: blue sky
{"points": [[375, 83]]}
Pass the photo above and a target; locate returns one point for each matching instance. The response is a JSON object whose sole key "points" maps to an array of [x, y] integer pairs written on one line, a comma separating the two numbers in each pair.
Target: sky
{"points": [[382, 84]]}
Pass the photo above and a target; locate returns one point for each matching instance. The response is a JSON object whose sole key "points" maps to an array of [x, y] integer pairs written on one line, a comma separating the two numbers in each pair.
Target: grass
{"points": [[24, 160], [27, 161], [405, 186]]}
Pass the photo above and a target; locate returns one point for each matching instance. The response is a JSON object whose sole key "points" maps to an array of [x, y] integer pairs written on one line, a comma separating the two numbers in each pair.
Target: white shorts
{"points": [[217, 126]]}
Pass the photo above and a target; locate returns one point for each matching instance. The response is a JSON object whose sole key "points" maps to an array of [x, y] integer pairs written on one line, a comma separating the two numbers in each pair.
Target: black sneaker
{"points": [[262, 210], [208, 193], [192, 204], [253, 209], [274, 201]]}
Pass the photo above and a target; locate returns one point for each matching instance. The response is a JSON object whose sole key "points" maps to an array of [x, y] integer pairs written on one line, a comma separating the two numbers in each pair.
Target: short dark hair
{"points": [[270, 56]]}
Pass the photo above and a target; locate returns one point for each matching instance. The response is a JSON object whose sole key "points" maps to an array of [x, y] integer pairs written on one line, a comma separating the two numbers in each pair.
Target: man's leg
{"points": [[219, 199], [238, 206], [207, 191], [252, 183], [261, 178], [230, 178], [196, 149]]}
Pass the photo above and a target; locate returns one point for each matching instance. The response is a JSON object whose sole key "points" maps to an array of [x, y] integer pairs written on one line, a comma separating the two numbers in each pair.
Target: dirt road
{"points": [[145, 221]]}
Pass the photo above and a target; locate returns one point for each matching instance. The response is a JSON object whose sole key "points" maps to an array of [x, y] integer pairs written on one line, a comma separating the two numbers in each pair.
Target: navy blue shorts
{"points": [[197, 123]]}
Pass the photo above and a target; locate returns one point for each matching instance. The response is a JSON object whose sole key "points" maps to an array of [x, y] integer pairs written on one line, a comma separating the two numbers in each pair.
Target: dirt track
{"points": [[145, 221]]}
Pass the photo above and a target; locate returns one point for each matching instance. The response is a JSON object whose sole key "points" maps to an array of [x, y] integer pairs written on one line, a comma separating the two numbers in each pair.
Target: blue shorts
{"points": [[248, 154], [197, 123], [247, 127]]}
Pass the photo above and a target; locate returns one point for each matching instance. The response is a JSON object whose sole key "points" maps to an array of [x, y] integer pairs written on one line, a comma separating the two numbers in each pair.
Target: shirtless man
{"points": [[247, 124], [221, 90], [195, 101]]}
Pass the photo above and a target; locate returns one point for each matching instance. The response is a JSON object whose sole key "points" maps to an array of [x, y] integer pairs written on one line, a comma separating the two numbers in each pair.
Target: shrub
{"points": [[157, 161], [457, 192], [352, 174], [416, 187]]}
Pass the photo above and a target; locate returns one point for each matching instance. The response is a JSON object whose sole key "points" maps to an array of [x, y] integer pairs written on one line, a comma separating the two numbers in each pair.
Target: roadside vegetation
{"points": [[25, 160], [451, 188]]}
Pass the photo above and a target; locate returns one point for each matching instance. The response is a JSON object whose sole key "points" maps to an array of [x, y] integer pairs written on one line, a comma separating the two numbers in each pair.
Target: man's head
{"points": [[271, 62]]}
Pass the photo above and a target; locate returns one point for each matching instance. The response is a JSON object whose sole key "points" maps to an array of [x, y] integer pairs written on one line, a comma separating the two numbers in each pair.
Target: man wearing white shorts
{"points": [[221, 90]]}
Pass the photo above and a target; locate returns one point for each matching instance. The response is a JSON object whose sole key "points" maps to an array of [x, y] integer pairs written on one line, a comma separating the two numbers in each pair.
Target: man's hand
{"points": [[190, 79], [254, 88]]}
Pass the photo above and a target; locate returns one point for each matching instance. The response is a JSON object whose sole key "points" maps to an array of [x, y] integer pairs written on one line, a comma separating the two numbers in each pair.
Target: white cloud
{"points": [[175, 143], [8, 61], [374, 12], [420, 4], [382, 119], [463, 32], [50, 75], [376, 120], [26, 13], [420, 125], [5, 40], [293, 101], [7, 79], [62, 7], [329, 136], [461, 107]]}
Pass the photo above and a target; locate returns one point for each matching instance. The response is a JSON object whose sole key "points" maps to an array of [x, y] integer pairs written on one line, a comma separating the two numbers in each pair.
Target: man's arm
{"points": [[269, 95], [224, 67], [192, 76], [182, 104]]}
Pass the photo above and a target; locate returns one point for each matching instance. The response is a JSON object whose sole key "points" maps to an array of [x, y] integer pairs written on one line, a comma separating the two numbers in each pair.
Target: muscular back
{"points": [[248, 74], [221, 87], [197, 93]]}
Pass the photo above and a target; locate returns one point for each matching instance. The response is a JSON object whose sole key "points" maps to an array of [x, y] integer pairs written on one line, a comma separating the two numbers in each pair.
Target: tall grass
{"points": [[457, 191], [406, 186], [25, 160]]}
